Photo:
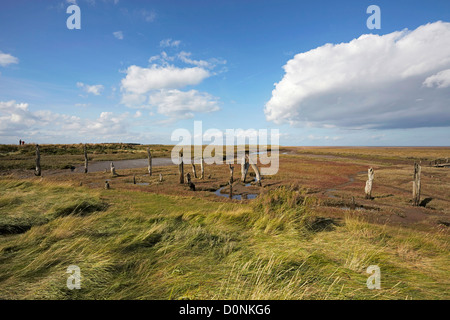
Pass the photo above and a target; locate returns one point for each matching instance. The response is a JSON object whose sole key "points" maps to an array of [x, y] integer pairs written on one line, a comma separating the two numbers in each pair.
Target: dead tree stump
{"points": [[160, 178], [416, 184], [180, 168], [37, 171], [85, 159], [368, 189], [150, 165]]}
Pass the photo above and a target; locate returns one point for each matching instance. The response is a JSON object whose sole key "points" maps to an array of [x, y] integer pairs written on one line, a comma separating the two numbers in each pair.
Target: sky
{"points": [[136, 71]]}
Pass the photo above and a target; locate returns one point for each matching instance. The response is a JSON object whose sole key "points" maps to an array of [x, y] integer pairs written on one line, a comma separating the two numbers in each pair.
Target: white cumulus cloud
{"points": [[94, 89], [7, 59], [182, 104], [440, 80], [389, 81], [142, 80]]}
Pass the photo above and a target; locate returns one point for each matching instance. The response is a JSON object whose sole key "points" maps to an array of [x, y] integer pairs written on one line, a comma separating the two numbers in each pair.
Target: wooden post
{"points": [[134, 179], [85, 159], [188, 178], [416, 184], [231, 180], [37, 172], [194, 171], [256, 170], [113, 169], [244, 168], [189, 182], [180, 168], [231, 173], [150, 165], [202, 168], [160, 178], [368, 189]]}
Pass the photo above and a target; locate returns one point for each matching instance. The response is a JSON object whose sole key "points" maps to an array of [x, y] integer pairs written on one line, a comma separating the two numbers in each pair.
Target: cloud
{"points": [[15, 117], [142, 80], [149, 16], [178, 104], [94, 89], [169, 43], [7, 59], [440, 80], [390, 81], [118, 35], [17, 120]]}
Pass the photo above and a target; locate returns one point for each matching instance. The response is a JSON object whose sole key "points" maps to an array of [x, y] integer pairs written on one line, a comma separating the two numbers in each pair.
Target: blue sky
{"points": [[138, 70]]}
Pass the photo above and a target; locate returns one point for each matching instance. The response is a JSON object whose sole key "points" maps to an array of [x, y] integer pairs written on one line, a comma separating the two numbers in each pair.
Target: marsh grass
{"points": [[151, 246]]}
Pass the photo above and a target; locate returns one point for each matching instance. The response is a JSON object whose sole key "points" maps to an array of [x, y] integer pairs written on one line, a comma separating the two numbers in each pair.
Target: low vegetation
{"points": [[140, 245]]}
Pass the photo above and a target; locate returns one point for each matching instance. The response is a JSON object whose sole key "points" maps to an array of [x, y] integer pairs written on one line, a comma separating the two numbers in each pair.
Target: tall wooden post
{"points": [[416, 184], [231, 180], [202, 168], [194, 171], [231, 173], [85, 159], [113, 169], [180, 168], [244, 168], [257, 173], [37, 172], [150, 165], [368, 189]]}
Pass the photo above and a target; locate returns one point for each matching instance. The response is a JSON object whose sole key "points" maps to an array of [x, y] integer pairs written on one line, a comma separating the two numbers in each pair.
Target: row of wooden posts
{"points": [[416, 184], [245, 164]]}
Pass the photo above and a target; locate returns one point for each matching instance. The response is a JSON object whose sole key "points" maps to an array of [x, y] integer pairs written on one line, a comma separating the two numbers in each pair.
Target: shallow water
{"points": [[248, 196]]}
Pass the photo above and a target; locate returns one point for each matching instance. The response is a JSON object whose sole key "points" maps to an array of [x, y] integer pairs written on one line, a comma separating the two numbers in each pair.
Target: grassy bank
{"points": [[137, 245]]}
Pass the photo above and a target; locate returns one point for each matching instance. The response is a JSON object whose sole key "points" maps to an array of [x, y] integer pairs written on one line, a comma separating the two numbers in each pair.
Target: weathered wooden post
{"points": [[37, 172], [150, 165], [244, 168], [202, 168], [180, 168], [368, 189], [231, 173], [160, 178], [194, 171], [230, 182], [134, 179], [416, 184], [189, 182], [257, 173], [85, 159], [113, 169]]}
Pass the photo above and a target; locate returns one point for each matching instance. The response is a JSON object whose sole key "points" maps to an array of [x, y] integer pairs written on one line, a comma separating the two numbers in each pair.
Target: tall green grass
{"points": [[149, 246]]}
